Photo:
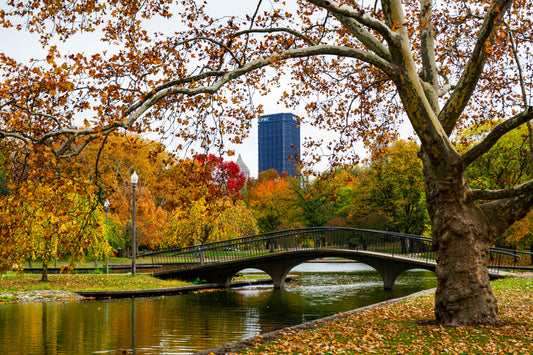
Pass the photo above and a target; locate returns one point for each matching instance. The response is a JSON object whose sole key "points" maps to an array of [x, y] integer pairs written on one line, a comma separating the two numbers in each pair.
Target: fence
{"points": [[391, 243]]}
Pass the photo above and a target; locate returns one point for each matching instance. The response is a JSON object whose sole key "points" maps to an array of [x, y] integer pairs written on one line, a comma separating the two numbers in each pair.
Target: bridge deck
{"points": [[390, 253]]}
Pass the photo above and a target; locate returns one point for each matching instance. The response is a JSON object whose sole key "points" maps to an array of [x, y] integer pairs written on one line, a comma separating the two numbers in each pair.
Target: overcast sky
{"points": [[23, 46]]}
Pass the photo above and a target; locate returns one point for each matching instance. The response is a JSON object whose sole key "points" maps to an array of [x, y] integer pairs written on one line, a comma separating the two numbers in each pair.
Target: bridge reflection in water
{"points": [[277, 253]]}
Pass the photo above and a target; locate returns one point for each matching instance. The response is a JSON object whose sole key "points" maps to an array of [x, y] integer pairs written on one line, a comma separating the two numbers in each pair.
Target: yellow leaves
{"points": [[52, 213]]}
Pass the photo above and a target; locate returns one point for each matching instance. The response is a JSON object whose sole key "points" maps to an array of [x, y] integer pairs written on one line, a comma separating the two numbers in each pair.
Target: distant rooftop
{"points": [[243, 167]]}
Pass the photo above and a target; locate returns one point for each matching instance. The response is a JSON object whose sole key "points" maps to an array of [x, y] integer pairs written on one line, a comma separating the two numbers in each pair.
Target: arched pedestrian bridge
{"points": [[277, 253]]}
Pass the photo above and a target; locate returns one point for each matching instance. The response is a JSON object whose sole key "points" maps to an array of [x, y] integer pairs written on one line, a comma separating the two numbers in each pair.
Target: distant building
{"points": [[279, 143], [243, 167]]}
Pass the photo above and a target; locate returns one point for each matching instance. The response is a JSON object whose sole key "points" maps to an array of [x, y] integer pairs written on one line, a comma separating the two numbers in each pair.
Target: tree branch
{"points": [[358, 15], [285, 55], [429, 66], [492, 138], [520, 190], [278, 29], [365, 37], [175, 87], [508, 211], [447, 86], [518, 65], [472, 72]]}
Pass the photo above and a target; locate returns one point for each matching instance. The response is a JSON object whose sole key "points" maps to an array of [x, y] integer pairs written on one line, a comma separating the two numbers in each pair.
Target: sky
{"points": [[23, 46]]}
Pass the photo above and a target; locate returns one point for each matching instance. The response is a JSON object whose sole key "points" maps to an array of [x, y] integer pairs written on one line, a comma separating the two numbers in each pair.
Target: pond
{"points": [[184, 324]]}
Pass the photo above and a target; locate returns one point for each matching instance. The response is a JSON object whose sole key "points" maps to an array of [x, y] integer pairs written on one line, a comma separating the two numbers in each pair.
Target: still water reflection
{"points": [[184, 324]]}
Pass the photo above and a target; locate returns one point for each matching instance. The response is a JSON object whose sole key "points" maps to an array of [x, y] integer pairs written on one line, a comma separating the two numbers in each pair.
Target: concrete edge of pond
{"points": [[272, 336], [172, 290]]}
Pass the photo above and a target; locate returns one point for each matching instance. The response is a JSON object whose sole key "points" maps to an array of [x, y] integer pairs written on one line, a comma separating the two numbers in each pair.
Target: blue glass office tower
{"points": [[278, 143]]}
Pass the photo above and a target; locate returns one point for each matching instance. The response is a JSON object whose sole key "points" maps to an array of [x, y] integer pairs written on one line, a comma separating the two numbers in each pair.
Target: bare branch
{"points": [[492, 138], [472, 72], [447, 86], [252, 21], [365, 37], [429, 67], [358, 15], [283, 56], [279, 29], [518, 65]]}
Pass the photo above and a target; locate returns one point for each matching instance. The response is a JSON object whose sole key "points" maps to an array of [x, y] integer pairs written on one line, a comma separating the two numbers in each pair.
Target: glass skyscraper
{"points": [[279, 143]]}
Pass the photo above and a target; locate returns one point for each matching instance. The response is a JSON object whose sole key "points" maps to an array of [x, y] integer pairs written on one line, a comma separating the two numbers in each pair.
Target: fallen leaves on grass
{"points": [[395, 329]]}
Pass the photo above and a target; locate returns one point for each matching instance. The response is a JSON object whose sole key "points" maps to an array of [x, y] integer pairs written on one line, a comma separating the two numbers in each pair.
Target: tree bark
{"points": [[461, 235], [44, 275], [463, 296]]}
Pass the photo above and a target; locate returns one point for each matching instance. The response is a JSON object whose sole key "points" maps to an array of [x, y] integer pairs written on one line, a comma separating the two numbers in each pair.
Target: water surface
{"points": [[184, 324]]}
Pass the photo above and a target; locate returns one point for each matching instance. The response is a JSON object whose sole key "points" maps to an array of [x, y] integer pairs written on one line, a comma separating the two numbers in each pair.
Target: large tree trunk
{"points": [[464, 295], [461, 234]]}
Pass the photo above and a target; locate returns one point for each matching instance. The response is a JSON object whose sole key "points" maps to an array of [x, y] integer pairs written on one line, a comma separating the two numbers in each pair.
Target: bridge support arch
{"points": [[279, 270], [390, 269], [389, 273]]}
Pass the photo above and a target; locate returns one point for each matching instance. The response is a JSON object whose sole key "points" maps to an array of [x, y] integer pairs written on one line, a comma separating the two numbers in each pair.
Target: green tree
{"points": [[316, 198], [506, 164], [390, 194]]}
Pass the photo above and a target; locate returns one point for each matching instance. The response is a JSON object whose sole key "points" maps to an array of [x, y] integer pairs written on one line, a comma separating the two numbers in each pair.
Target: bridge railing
{"points": [[501, 258], [295, 240], [394, 244]]}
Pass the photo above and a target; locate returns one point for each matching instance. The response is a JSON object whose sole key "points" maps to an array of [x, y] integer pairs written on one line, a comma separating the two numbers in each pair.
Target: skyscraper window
{"points": [[279, 143]]}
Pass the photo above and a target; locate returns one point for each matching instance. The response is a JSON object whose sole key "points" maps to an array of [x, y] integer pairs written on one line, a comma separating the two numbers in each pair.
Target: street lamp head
{"points": [[134, 178]]}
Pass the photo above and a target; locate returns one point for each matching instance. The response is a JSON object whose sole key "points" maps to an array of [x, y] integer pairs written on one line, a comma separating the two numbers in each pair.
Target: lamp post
{"points": [[134, 180], [106, 207]]}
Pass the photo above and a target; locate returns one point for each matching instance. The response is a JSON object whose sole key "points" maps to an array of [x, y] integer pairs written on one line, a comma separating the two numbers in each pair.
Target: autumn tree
{"points": [[49, 213], [205, 222], [391, 190], [109, 163], [224, 178], [201, 193], [359, 68], [272, 202]]}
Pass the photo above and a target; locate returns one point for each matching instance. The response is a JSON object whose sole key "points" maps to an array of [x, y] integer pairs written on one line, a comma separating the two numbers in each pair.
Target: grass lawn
{"points": [[394, 329], [83, 282]]}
